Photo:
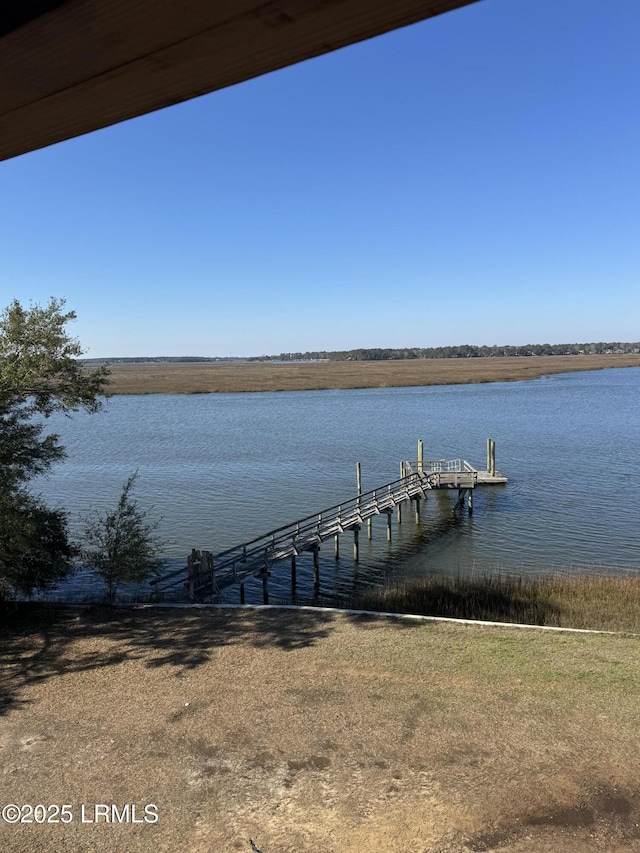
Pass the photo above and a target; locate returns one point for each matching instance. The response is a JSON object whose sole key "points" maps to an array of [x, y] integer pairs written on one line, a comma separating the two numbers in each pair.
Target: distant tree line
{"points": [[391, 354], [460, 351]]}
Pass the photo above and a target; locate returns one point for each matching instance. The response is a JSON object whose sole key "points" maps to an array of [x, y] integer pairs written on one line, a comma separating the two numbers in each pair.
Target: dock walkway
{"points": [[209, 574]]}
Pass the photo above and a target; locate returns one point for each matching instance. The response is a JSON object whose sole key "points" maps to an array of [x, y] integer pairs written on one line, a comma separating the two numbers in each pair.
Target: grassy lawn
{"points": [[320, 731]]}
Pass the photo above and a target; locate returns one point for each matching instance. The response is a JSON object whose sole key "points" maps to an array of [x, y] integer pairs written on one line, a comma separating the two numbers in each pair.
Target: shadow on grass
{"points": [[37, 641]]}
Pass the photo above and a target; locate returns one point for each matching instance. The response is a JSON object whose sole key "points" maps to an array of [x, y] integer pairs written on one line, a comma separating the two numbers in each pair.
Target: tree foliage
{"points": [[121, 545], [24, 451], [39, 374], [35, 551], [39, 365]]}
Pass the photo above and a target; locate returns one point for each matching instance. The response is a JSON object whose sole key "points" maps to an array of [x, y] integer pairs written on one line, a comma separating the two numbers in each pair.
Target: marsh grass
{"points": [[217, 377], [599, 602]]}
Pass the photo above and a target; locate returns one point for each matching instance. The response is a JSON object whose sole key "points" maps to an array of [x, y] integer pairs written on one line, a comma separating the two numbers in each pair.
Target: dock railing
{"points": [[234, 565], [255, 557], [441, 474]]}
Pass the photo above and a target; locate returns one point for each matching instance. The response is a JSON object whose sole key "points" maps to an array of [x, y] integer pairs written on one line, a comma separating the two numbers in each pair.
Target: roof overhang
{"points": [[72, 66]]}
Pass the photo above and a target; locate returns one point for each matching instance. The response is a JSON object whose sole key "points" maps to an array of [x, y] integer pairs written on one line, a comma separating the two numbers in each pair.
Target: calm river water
{"points": [[222, 468]]}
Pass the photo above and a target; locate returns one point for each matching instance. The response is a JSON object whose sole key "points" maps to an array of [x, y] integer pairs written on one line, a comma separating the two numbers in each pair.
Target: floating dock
{"points": [[207, 575]]}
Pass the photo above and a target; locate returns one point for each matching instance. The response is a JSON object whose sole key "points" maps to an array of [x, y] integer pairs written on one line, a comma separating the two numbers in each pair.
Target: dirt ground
{"points": [[317, 731], [198, 378]]}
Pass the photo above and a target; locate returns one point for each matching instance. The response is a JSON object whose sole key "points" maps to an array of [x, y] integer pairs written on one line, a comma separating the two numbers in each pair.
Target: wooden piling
{"points": [[336, 546], [389, 527], [241, 593], [461, 496], [417, 502], [206, 568], [399, 507], [420, 456], [191, 575], [265, 587], [356, 543], [470, 502], [359, 480], [493, 458], [316, 566], [488, 455], [369, 528], [294, 572]]}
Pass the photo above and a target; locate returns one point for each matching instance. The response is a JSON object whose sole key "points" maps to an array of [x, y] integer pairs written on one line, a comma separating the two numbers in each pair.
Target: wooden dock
{"points": [[209, 574]]}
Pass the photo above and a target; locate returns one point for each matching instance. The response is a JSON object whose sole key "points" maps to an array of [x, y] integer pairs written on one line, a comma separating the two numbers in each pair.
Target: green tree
{"points": [[39, 374], [35, 551], [121, 546], [38, 361]]}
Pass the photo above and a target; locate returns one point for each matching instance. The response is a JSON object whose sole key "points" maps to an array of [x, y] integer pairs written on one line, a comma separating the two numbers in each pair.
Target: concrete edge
{"points": [[403, 616]]}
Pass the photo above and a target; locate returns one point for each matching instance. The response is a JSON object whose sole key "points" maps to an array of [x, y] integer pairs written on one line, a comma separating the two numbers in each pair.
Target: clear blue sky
{"points": [[471, 179]]}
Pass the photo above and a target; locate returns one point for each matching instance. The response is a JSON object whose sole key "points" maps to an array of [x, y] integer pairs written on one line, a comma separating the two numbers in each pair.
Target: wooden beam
{"points": [[72, 67]]}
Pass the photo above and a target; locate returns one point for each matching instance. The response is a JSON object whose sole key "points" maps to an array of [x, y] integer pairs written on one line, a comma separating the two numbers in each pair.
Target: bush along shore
{"points": [[597, 602]]}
